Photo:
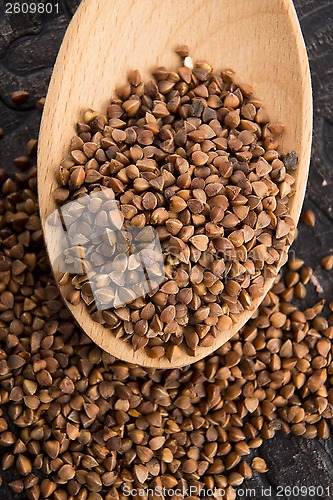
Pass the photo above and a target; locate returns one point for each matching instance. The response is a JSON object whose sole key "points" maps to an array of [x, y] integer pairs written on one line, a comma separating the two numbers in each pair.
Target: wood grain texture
{"points": [[95, 57]]}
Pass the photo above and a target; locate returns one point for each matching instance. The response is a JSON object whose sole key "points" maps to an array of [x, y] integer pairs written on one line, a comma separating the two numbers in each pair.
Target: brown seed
{"points": [[140, 185], [317, 380], [278, 319], [232, 460], [224, 323], [195, 206], [245, 470], [17, 486], [160, 110], [177, 204], [231, 101], [260, 189], [232, 121], [52, 448], [149, 201], [134, 77], [170, 287], [15, 361], [295, 264], [140, 473], [306, 273], [73, 297], [18, 267], [144, 453], [185, 73], [23, 465], [308, 217], [19, 97], [168, 314], [199, 158], [235, 479], [23, 162], [47, 487], [77, 177], [200, 242], [66, 472], [7, 299], [183, 51], [157, 442], [173, 226], [166, 455], [145, 137], [159, 216], [189, 466], [259, 465], [323, 430], [251, 404], [79, 157], [327, 262], [131, 107]]}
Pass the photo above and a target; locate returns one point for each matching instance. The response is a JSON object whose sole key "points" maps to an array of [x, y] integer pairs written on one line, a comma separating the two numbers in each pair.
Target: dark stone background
{"points": [[28, 47]]}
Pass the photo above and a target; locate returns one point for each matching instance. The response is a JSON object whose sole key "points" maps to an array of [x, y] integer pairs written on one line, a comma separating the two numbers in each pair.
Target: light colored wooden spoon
{"points": [[260, 39]]}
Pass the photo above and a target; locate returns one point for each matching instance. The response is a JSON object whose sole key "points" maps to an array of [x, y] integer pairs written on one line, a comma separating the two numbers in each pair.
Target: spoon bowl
{"points": [[261, 40]]}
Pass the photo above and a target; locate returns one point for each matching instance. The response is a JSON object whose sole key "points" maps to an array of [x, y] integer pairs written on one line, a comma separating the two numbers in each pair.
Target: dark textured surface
{"points": [[28, 48]]}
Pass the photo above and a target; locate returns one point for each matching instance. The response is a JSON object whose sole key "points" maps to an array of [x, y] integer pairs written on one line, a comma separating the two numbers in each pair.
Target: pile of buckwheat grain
{"points": [[75, 423], [194, 156]]}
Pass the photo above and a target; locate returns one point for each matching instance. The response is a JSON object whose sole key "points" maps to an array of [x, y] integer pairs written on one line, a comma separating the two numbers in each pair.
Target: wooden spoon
{"points": [[261, 40]]}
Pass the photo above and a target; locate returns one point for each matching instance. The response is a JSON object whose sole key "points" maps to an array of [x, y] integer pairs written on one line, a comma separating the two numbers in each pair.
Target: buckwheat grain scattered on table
{"points": [[77, 423]]}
